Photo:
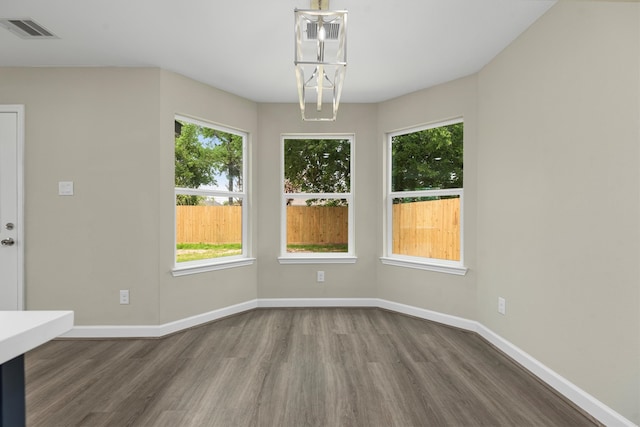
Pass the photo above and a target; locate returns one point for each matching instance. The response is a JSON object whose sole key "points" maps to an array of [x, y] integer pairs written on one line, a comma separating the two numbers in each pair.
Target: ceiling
{"points": [[246, 46]]}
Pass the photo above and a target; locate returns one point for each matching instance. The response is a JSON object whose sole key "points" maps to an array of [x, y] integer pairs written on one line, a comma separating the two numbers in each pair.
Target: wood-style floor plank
{"points": [[291, 367]]}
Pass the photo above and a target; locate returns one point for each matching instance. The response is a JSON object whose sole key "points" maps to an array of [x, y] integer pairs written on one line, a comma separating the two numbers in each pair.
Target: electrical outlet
{"points": [[320, 276], [124, 296], [65, 188], [502, 305]]}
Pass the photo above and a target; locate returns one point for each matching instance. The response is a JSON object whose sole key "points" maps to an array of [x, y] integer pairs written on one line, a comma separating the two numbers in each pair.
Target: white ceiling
{"points": [[246, 46]]}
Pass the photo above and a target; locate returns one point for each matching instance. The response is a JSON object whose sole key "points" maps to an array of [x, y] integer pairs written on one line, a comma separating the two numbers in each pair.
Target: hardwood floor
{"points": [[290, 367]]}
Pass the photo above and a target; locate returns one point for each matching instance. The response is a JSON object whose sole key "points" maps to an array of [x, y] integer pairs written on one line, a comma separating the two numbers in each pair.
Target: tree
{"points": [[193, 163], [202, 153], [428, 159], [317, 166], [226, 156]]}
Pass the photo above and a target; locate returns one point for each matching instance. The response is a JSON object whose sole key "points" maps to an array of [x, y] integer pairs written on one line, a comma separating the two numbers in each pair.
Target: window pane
{"points": [[207, 158], [317, 166], [427, 159], [427, 227], [210, 227], [315, 225]]}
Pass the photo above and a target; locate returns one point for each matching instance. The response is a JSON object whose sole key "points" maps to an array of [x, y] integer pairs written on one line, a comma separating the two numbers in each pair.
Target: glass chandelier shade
{"points": [[320, 60]]}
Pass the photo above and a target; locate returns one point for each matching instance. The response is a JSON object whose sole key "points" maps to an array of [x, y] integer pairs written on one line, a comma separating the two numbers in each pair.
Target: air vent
{"points": [[27, 29], [331, 29]]}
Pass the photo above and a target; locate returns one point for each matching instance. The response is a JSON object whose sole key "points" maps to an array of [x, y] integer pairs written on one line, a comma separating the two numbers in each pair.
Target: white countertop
{"points": [[21, 331]]}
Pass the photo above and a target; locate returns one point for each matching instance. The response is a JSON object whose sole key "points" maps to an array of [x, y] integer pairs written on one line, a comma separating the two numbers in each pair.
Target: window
{"points": [[317, 199], [210, 196], [425, 198]]}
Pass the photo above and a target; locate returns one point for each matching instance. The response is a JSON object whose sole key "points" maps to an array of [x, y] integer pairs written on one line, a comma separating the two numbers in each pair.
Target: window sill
{"points": [[347, 259], [422, 265], [219, 265]]}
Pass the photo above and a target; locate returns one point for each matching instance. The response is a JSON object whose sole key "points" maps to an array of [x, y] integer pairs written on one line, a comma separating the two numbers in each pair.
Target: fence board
{"points": [[209, 224], [317, 225], [426, 229]]}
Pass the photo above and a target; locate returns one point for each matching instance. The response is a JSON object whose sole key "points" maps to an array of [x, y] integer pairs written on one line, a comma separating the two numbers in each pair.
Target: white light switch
{"points": [[65, 188], [502, 305]]}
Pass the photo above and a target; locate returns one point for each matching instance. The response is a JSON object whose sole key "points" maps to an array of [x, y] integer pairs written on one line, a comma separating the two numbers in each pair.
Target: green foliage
{"points": [[185, 199], [226, 156], [193, 159], [201, 153], [317, 166], [428, 159], [422, 199]]}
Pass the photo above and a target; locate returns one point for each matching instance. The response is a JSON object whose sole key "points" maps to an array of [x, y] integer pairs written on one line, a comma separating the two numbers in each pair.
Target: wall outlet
{"points": [[502, 305], [124, 296], [320, 276], [65, 188]]}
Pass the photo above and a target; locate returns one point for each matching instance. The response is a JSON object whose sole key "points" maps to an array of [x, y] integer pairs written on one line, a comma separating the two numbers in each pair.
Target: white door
{"points": [[11, 245]]}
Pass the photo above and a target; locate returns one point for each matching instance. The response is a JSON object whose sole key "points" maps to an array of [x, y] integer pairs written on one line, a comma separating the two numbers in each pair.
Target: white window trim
{"points": [[212, 264], [419, 263], [194, 267], [422, 263], [348, 257]]}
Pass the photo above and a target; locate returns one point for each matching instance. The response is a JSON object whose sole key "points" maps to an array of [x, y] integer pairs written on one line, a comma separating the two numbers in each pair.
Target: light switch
{"points": [[65, 188]]}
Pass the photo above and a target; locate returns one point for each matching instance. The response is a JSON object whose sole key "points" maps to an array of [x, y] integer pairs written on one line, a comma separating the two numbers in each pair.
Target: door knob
{"points": [[7, 242]]}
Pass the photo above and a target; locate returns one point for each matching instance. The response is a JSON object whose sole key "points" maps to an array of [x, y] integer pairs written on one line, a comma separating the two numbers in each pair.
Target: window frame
{"points": [[211, 264], [348, 257], [422, 263]]}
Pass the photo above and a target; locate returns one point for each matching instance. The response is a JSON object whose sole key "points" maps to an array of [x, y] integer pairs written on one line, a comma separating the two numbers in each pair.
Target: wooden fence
{"points": [[426, 229], [317, 225], [209, 224]]}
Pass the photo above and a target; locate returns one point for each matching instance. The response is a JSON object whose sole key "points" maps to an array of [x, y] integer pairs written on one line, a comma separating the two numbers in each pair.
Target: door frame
{"points": [[19, 110]]}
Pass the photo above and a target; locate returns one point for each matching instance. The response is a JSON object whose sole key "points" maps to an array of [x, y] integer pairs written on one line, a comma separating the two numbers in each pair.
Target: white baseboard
{"points": [[581, 398], [156, 331], [317, 302], [445, 319]]}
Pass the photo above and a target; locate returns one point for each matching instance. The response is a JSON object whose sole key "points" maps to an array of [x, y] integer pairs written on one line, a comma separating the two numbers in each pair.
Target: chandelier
{"points": [[320, 59]]}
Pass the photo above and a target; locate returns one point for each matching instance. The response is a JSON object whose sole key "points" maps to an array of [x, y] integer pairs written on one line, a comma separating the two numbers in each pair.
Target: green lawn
{"points": [[197, 251], [335, 247]]}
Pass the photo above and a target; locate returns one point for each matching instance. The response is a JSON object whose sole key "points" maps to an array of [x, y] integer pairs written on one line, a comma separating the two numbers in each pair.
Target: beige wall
{"points": [[186, 296], [558, 207], [97, 128], [445, 293], [110, 130], [299, 281]]}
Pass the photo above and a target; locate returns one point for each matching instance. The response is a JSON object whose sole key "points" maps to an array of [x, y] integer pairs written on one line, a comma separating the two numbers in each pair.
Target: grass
{"points": [[329, 247], [197, 251]]}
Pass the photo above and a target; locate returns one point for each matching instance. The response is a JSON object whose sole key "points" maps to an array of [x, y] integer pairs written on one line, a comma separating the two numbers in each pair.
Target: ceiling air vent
{"points": [[330, 28], [27, 29]]}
